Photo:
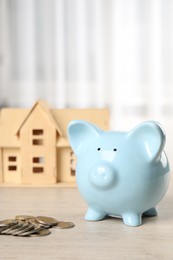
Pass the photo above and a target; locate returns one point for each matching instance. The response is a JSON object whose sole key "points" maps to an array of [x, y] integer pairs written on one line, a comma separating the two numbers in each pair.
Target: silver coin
{"points": [[2, 229], [34, 223], [45, 226], [28, 233], [26, 229], [11, 229], [24, 226]]}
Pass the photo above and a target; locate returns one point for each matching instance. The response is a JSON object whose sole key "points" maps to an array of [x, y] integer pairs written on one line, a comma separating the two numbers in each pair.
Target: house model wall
{"points": [[34, 148]]}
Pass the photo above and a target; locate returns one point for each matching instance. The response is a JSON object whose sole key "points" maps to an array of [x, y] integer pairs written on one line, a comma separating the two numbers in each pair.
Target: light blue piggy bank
{"points": [[120, 173]]}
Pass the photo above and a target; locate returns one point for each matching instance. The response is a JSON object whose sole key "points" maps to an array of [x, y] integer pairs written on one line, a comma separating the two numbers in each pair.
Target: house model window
{"points": [[38, 164], [38, 160], [12, 160], [37, 135]]}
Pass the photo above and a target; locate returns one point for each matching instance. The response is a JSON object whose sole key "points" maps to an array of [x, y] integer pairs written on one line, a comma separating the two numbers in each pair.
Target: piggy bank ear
{"points": [[81, 134], [150, 139]]}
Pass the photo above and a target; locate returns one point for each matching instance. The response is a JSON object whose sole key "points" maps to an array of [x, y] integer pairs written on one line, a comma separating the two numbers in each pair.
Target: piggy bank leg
{"points": [[150, 213], [94, 214], [132, 219]]}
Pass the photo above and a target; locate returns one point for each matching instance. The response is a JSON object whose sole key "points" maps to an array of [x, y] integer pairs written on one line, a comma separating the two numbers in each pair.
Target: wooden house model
{"points": [[34, 148]]}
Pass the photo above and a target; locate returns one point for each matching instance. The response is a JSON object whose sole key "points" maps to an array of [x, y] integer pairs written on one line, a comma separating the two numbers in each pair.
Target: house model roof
{"points": [[13, 119], [44, 106]]}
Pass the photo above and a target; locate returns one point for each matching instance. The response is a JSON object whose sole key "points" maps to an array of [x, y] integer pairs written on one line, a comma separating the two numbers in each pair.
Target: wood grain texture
{"points": [[108, 239]]}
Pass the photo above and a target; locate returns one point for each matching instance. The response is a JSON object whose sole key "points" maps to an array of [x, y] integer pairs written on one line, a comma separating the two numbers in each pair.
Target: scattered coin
{"points": [[41, 233], [47, 220], [35, 223], [45, 226], [26, 225], [64, 224]]}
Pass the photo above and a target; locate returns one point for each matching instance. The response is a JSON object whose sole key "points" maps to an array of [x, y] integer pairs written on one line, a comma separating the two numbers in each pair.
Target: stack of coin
{"points": [[25, 225]]}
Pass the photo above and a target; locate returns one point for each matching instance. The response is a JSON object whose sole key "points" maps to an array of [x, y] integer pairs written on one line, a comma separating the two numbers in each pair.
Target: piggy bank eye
{"points": [[98, 149], [114, 149]]}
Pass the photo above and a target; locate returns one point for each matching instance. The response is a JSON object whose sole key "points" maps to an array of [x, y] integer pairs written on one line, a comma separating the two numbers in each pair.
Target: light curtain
{"points": [[90, 53]]}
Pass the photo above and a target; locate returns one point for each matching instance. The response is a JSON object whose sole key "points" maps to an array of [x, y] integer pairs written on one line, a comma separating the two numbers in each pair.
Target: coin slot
{"points": [[38, 169], [37, 141], [12, 168], [12, 159], [37, 131], [38, 159]]}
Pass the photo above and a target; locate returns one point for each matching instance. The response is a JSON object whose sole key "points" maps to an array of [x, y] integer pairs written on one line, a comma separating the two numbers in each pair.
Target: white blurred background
{"points": [[90, 53]]}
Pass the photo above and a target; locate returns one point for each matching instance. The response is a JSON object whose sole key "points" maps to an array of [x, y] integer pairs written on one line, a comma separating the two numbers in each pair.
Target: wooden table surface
{"points": [[108, 239]]}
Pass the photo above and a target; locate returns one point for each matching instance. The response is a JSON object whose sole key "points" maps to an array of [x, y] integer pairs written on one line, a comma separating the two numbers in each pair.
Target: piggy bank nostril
{"points": [[101, 172], [102, 176]]}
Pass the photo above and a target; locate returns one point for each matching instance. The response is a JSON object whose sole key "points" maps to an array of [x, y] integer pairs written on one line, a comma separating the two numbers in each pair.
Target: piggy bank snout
{"points": [[102, 175]]}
